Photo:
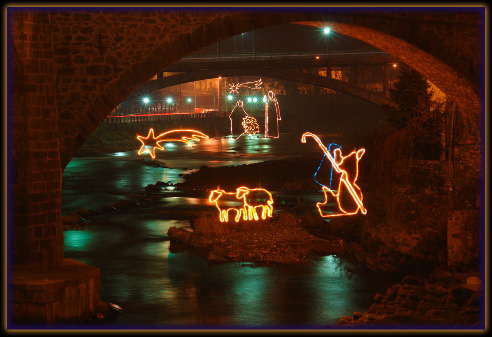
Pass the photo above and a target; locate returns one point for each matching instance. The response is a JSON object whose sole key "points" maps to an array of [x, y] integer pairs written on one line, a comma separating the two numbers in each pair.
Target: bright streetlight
{"points": [[146, 100], [327, 30]]}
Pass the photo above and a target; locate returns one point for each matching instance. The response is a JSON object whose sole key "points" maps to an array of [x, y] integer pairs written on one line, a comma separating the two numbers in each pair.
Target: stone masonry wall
{"points": [[38, 236], [72, 67]]}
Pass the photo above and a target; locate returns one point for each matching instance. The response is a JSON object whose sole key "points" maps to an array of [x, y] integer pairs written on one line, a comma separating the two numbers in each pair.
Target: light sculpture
{"points": [[321, 163], [254, 198], [222, 199], [234, 88], [249, 123], [179, 135], [251, 200], [346, 182], [273, 98], [250, 126]]}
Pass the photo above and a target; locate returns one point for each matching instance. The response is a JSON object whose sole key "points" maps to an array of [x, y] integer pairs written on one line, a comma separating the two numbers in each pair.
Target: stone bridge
{"points": [[70, 67]]}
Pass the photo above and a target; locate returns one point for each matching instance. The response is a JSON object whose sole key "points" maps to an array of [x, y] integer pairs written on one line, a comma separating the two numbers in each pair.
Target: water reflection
{"points": [[160, 289]]}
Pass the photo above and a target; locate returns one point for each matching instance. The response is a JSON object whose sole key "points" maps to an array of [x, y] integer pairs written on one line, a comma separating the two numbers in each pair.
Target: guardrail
{"points": [[161, 116]]}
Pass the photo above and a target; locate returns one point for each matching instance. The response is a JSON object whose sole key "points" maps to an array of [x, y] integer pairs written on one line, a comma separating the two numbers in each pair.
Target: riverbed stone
{"points": [[73, 218]]}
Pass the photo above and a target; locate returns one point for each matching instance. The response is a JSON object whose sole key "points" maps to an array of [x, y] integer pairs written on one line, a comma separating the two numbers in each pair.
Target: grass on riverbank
{"points": [[209, 225]]}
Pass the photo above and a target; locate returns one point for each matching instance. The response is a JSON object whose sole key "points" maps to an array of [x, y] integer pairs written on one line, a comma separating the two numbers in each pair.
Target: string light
{"points": [[178, 135], [351, 186], [258, 195], [273, 98], [250, 126], [234, 88], [220, 198], [266, 115], [251, 199], [331, 171], [250, 123]]}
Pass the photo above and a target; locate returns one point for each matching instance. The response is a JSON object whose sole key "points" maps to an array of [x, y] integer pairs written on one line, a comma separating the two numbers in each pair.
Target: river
{"points": [[160, 289]]}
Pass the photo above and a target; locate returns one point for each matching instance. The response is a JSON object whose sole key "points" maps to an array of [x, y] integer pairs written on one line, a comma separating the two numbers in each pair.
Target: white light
{"points": [[188, 100], [327, 30], [229, 97], [249, 99], [169, 100], [146, 100], [255, 99], [265, 99]]}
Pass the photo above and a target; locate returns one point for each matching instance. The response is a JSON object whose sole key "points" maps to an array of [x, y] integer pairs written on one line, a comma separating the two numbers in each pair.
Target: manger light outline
{"points": [[343, 178], [177, 135], [250, 126]]}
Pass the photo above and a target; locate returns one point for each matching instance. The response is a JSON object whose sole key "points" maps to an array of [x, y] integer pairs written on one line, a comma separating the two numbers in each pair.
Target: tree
{"points": [[412, 96], [416, 114]]}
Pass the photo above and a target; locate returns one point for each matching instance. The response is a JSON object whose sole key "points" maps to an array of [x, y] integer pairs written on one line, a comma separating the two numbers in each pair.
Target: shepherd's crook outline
{"points": [[337, 169]]}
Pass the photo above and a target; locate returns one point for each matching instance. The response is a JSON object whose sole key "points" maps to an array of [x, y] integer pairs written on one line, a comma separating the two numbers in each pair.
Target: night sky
{"points": [[285, 38]]}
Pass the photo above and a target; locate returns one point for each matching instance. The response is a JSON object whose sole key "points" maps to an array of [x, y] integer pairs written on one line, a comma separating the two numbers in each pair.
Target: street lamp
{"points": [[169, 101], [327, 31], [189, 102], [229, 101], [146, 101]]}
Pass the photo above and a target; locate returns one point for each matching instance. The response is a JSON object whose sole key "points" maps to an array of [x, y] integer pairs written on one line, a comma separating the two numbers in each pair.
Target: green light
{"points": [[265, 99], [230, 97], [169, 100], [188, 100], [327, 30], [255, 99], [249, 99], [146, 100]]}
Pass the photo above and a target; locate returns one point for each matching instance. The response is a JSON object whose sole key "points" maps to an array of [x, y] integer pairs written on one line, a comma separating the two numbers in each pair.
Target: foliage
{"points": [[417, 120], [209, 225], [412, 97]]}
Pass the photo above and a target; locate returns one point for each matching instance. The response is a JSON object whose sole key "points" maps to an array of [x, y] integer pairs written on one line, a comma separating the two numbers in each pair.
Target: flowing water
{"points": [[160, 289]]}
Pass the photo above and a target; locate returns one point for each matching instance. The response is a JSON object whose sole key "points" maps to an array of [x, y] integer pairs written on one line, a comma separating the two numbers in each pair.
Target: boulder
{"points": [[217, 254], [152, 189], [85, 212], [73, 218]]}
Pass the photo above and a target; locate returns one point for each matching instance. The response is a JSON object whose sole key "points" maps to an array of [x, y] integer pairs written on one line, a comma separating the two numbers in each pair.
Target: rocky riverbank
{"points": [[431, 293], [419, 303], [280, 240]]}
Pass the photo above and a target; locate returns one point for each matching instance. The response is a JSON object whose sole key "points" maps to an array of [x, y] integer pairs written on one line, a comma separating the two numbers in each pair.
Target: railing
{"points": [[162, 116]]}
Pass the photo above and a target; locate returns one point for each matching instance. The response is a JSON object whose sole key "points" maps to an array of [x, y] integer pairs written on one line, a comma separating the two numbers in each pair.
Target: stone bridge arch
{"points": [[101, 56], [71, 67], [331, 83]]}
